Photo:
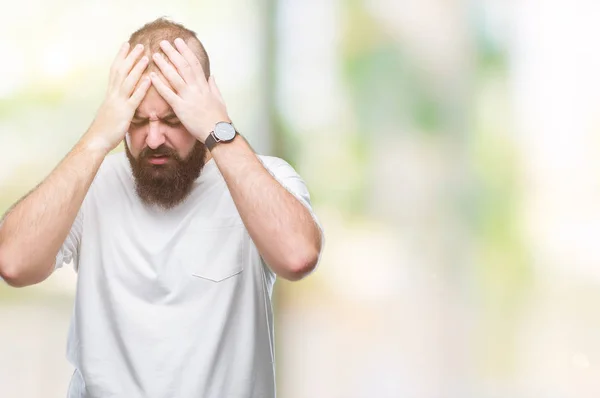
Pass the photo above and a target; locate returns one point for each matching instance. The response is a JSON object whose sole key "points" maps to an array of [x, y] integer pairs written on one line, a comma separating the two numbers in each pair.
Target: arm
{"points": [[36, 227], [33, 231], [282, 228]]}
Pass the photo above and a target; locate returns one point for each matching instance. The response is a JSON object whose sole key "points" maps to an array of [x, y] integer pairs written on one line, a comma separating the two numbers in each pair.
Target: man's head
{"points": [[165, 158]]}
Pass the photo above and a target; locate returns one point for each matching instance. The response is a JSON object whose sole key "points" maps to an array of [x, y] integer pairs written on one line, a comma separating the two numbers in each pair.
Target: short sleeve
{"points": [[285, 174], [69, 250]]}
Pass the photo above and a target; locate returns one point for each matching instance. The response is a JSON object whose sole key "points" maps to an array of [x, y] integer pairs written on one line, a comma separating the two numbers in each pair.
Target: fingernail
{"points": [[164, 43], [125, 45], [139, 46], [156, 55], [144, 59], [152, 74], [179, 40]]}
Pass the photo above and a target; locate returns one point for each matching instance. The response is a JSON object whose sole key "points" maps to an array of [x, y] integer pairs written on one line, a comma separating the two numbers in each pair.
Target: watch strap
{"points": [[211, 141]]}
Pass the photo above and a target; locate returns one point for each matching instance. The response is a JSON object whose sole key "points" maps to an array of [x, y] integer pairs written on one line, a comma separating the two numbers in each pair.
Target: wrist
{"points": [[225, 147], [223, 132], [211, 127], [95, 144]]}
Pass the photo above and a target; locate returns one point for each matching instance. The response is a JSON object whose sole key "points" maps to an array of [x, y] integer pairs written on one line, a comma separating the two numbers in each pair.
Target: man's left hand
{"points": [[196, 101]]}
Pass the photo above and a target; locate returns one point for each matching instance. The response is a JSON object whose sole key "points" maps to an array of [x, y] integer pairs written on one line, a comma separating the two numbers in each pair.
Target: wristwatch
{"points": [[223, 132]]}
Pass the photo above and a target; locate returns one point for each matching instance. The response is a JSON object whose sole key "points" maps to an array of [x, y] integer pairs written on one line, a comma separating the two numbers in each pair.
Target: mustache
{"points": [[160, 151]]}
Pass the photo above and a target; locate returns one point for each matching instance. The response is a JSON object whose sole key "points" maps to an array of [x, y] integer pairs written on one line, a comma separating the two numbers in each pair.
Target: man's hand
{"points": [[37, 226], [198, 103], [122, 98]]}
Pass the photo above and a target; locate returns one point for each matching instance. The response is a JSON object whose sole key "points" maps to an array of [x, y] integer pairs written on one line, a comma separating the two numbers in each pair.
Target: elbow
{"points": [[11, 272], [11, 279], [302, 266], [8, 272]]}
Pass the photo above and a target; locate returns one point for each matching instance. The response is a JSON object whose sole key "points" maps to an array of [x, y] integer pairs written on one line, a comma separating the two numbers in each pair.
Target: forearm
{"points": [[281, 227], [33, 231]]}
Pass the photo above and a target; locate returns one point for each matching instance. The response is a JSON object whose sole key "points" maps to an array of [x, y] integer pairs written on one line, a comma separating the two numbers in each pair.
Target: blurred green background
{"points": [[451, 151]]}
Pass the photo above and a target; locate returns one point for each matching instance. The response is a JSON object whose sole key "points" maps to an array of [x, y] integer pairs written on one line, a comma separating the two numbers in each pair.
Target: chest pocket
{"points": [[215, 249]]}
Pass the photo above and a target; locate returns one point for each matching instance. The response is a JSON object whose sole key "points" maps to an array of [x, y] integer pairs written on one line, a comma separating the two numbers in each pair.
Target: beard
{"points": [[167, 184]]}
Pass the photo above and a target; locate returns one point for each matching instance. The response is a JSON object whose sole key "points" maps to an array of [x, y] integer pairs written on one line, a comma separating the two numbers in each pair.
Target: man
{"points": [[177, 242]]}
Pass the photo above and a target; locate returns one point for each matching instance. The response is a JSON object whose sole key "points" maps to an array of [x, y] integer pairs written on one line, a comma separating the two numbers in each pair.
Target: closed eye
{"points": [[139, 122], [172, 122]]}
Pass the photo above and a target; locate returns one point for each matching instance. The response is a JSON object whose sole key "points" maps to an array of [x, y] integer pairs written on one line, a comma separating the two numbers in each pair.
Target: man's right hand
{"points": [[122, 98], [36, 227]]}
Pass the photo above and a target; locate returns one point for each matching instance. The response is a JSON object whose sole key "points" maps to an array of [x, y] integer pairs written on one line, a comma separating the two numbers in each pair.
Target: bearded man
{"points": [[177, 242]]}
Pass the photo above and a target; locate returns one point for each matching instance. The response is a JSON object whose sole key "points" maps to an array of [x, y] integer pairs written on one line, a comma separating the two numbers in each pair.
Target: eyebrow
{"points": [[136, 115], [168, 116]]}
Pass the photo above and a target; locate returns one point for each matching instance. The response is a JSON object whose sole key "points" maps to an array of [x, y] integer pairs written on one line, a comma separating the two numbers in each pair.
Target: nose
{"points": [[156, 136]]}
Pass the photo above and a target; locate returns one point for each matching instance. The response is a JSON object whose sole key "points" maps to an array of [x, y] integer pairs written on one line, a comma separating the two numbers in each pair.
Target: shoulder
{"points": [[115, 169], [287, 176], [277, 166], [114, 164], [270, 161], [114, 161]]}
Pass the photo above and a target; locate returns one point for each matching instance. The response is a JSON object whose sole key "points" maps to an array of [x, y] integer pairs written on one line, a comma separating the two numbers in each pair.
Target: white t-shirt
{"points": [[170, 304]]}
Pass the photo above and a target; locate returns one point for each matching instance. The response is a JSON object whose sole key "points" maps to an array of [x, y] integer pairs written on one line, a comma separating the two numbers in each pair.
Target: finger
{"points": [[134, 76], [191, 59], [183, 67], [140, 92], [215, 90], [117, 61], [164, 90], [169, 72], [128, 63]]}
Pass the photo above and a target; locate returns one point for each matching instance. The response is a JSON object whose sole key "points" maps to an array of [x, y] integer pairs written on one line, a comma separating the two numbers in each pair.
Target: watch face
{"points": [[224, 131]]}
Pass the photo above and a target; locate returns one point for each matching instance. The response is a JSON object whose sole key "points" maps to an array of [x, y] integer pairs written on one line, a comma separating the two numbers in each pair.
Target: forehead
{"points": [[153, 104]]}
